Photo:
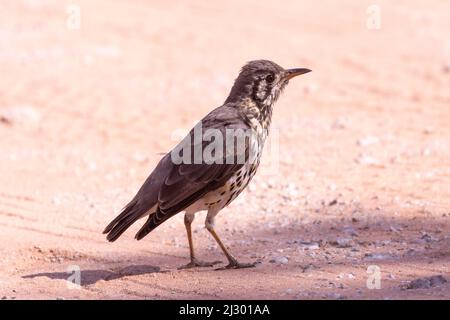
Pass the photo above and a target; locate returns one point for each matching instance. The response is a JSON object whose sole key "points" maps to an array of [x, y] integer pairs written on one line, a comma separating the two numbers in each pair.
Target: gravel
{"points": [[426, 283]]}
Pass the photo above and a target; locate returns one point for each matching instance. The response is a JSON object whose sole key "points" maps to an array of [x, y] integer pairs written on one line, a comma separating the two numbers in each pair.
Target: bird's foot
{"points": [[237, 265], [197, 263]]}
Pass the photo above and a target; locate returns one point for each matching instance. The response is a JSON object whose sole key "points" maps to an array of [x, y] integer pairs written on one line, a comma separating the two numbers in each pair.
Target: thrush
{"points": [[207, 170]]}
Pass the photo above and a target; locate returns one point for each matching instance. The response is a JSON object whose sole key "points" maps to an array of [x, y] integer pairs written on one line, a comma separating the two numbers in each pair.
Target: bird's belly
{"points": [[224, 195]]}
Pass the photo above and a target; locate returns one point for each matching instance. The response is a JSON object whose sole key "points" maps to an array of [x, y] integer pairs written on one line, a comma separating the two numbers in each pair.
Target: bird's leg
{"points": [[232, 262], [194, 262]]}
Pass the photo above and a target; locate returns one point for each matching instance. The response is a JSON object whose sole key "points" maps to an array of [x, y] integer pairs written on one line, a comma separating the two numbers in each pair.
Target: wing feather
{"points": [[187, 182]]}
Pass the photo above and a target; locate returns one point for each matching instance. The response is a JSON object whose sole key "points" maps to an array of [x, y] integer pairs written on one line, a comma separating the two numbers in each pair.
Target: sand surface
{"points": [[356, 174]]}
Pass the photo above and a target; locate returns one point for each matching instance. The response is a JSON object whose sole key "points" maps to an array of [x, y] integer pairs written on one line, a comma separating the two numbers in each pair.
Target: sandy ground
{"points": [[356, 173]]}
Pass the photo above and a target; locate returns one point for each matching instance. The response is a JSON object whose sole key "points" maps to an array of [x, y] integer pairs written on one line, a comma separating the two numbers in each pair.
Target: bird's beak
{"points": [[290, 73]]}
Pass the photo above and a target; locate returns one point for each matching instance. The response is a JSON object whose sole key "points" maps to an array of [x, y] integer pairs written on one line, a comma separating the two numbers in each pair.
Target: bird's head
{"points": [[262, 81]]}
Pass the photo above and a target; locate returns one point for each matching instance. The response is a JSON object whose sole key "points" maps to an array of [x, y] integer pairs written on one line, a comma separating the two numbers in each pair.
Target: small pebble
{"points": [[366, 141], [342, 243], [279, 260]]}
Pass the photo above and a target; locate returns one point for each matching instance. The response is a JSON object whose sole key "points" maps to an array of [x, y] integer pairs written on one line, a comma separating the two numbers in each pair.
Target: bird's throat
{"points": [[257, 115]]}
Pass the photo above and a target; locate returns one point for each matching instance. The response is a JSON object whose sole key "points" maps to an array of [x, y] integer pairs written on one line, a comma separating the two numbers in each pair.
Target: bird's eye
{"points": [[270, 78]]}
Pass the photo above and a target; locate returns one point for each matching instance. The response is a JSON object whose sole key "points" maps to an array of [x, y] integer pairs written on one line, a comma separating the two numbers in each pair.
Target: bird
{"points": [[184, 181]]}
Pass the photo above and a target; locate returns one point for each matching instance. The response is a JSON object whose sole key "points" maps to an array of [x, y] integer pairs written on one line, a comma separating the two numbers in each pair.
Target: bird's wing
{"points": [[185, 183]]}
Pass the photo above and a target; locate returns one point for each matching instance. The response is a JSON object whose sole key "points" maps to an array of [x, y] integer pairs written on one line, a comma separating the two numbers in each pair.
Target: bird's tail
{"points": [[130, 214], [154, 220]]}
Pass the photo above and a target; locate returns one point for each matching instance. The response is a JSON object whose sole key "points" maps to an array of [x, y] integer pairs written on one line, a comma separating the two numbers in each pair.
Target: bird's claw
{"points": [[237, 265], [199, 264]]}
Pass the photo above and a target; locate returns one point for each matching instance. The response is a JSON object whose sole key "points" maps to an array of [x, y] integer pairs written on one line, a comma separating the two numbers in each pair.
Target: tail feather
{"points": [[154, 220], [130, 214], [144, 202]]}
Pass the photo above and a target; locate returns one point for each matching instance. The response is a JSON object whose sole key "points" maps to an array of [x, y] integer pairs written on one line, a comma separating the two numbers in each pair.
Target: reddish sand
{"points": [[358, 175]]}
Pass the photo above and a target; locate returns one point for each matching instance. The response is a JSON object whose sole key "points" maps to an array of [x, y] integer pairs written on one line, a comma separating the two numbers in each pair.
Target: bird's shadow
{"points": [[89, 277]]}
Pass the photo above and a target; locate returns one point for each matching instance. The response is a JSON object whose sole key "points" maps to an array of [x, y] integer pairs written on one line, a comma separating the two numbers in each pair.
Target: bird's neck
{"points": [[257, 115]]}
